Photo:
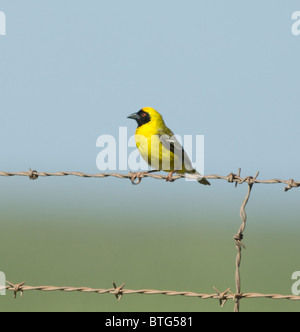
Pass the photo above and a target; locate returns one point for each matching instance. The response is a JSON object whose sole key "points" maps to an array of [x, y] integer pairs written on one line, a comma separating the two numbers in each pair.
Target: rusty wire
{"points": [[238, 240], [233, 178], [119, 291]]}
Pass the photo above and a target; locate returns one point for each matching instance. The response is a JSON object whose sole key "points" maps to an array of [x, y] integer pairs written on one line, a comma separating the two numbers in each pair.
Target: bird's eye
{"points": [[143, 115]]}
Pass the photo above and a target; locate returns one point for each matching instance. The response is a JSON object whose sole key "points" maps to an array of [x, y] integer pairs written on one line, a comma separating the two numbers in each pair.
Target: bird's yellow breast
{"points": [[151, 149]]}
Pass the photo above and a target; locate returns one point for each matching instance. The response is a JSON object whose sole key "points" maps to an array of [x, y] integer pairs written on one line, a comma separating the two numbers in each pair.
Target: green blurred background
{"points": [[73, 70], [82, 236]]}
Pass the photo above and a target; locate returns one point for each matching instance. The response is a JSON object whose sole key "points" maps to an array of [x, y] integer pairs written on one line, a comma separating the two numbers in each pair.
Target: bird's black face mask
{"points": [[141, 117]]}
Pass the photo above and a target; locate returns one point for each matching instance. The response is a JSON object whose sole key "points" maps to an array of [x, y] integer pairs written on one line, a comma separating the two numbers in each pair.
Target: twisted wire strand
{"points": [[233, 178], [119, 291], [238, 238]]}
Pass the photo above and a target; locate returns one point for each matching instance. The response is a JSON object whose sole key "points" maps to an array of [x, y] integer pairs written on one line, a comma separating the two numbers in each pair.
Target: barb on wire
{"points": [[118, 291], [222, 296], [16, 288]]}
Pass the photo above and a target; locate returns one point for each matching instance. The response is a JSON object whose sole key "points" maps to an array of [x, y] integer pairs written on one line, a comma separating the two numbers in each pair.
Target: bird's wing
{"points": [[170, 142]]}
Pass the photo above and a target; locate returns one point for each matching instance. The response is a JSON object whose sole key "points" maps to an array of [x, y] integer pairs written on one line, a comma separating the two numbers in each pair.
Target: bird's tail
{"points": [[201, 179]]}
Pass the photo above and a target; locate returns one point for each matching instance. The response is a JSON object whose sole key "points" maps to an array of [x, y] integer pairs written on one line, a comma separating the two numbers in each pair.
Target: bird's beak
{"points": [[133, 116]]}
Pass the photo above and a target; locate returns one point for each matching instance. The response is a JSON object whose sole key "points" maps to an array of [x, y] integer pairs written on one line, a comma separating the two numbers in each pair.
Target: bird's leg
{"points": [[169, 176], [139, 175]]}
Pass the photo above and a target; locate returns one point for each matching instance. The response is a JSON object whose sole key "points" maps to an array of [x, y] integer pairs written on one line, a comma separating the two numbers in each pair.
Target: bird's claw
{"points": [[137, 176], [169, 177]]}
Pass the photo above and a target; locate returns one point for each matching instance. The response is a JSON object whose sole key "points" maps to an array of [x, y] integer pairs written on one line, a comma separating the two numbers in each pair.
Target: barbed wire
{"points": [[233, 178], [120, 291]]}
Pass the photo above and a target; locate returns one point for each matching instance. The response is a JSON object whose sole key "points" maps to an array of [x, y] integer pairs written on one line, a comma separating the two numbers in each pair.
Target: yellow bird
{"points": [[159, 147]]}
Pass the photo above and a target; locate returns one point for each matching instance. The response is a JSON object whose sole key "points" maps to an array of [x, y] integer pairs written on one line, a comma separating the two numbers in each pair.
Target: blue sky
{"points": [[71, 71]]}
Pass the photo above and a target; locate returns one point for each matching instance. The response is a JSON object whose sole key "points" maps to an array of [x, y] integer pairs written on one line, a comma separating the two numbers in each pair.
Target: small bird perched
{"points": [[159, 147]]}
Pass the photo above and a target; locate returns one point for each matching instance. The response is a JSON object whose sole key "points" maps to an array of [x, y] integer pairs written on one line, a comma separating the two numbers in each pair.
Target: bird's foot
{"points": [[169, 177], [138, 176]]}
